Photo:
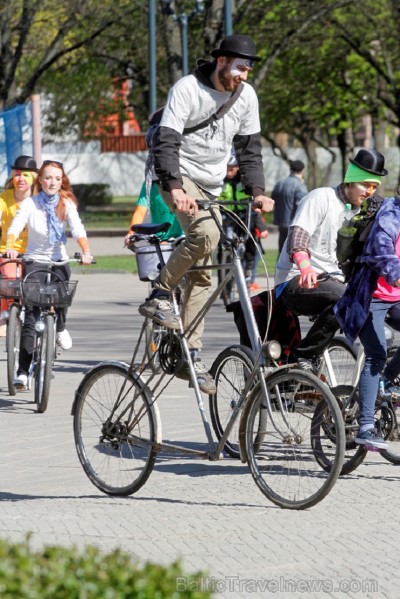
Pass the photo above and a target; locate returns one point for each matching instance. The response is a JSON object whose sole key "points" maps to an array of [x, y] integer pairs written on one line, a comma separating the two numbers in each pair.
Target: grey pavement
{"points": [[210, 515]]}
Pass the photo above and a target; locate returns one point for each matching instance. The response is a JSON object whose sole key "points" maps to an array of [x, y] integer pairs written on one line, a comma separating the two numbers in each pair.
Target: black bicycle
{"points": [[46, 291]]}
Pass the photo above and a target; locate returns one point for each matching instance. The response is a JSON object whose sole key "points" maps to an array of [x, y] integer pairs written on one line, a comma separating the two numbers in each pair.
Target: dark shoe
{"points": [[204, 378], [372, 439], [304, 364], [161, 311]]}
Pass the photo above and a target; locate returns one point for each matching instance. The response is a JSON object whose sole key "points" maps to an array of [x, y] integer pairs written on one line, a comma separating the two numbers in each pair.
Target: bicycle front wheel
{"points": [[115, 430], [13, 340], [338, 366], [230, 371], [44, 364], [284, 466], [390, 428]]}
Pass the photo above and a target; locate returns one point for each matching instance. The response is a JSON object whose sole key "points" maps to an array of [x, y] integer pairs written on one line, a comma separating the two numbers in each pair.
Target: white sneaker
{"points": [[64, 340], [21, 381]]}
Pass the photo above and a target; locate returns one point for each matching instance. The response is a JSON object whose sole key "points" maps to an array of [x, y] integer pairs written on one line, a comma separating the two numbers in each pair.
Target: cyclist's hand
{"points": [[127, 240], [12, 254], [267, 204], [308, 279], [87, 258], [184, 203]]}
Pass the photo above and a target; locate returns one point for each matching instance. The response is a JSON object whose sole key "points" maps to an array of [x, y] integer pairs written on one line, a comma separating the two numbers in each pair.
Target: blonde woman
{"points": [[19, 186]]}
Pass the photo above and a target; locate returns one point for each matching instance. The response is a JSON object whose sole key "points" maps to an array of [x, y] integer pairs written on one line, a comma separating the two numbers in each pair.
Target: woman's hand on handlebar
{"points": [[184, 203], [263, 204], [12, 254], [86, 258]]}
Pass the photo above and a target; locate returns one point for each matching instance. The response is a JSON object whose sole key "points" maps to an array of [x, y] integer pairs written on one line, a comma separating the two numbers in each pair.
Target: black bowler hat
{"points": [[25, 163], [238, 45], [371, 161]]}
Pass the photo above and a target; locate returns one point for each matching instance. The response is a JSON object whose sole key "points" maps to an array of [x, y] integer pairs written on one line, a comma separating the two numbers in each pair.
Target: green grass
{"points": [[118, 214], [128, 263]]}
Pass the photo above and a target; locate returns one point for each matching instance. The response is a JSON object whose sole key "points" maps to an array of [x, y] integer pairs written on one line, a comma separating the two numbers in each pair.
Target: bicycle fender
{"points": [[124, 368]]}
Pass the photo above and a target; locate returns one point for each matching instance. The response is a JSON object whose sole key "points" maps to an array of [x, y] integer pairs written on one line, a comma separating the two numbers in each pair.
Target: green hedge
{"points": [[66, 573], [92, 194]]}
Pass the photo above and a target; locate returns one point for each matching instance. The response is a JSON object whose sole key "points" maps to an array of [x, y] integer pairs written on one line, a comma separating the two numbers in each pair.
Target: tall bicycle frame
{"points": [[117, 424]]}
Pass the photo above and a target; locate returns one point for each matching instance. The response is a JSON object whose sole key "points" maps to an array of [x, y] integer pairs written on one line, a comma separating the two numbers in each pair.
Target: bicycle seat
{"points": [[150, 228]]}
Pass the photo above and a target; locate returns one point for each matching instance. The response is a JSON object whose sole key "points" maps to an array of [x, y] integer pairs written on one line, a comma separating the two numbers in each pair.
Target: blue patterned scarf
{"points": [[56, 227]]}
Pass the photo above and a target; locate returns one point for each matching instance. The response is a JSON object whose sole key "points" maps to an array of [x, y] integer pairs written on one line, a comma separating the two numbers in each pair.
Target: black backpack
{"points": [[353, 235]]}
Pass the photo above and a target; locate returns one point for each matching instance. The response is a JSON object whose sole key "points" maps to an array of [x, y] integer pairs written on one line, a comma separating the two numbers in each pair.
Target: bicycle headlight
{"points": [[272, 350]]}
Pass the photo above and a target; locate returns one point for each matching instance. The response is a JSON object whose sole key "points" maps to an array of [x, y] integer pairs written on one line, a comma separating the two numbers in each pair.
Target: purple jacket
{"points": [[378, 259]]}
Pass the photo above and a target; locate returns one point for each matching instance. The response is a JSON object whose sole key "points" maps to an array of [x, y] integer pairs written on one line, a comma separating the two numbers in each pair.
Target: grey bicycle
{"points": [[117, 423]]}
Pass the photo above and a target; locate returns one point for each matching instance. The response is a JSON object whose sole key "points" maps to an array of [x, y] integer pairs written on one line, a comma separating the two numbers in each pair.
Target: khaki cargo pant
{"points": [[202, 237]]}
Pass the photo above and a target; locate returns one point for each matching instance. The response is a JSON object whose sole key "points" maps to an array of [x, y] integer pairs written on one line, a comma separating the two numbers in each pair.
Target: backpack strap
{"points": [[221, 112]]}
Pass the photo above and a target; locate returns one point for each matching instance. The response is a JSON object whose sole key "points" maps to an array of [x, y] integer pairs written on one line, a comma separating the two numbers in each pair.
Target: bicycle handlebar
{"points": [[77, 258], [205, 204]]}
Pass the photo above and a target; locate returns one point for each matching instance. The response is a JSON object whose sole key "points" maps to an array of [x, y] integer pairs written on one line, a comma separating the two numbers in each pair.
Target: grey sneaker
{"points": [[371, 439], [161, 311], [204, 378]]}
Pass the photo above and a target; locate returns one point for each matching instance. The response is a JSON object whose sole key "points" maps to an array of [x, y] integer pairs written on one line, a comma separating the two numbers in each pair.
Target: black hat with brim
{"points": [[370, 161], [25, 163], [240, 46]]}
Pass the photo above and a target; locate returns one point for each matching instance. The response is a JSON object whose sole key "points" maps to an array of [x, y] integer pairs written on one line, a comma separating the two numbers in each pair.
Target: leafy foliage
{"points": [[60, 573]]}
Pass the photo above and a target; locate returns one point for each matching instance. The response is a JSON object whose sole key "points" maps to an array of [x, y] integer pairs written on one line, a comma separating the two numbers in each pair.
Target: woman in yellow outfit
{"points": [[18, 187]]}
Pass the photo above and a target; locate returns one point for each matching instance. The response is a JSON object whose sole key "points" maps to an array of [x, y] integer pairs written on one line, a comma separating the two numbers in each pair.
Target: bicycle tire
{"points": [[284, 466], [354, 453], [228, 293], [392, 454], [343, 360], [153, 333], [44, 365], [229, 371], [109, 456], [14, 327]]}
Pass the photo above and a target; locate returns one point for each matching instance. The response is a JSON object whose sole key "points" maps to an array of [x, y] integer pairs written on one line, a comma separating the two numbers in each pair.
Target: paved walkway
{"points": [[211, 515]]}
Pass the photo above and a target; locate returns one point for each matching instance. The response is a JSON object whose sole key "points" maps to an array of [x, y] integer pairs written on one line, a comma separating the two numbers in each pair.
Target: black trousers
{"points": [[317, 302], [31, 314]]}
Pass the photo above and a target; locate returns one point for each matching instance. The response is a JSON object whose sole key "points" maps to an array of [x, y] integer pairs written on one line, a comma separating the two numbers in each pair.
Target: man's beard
{"points": [[226, 80]]}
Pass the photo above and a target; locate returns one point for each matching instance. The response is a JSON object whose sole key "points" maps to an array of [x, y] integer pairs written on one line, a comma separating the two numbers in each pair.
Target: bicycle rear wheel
{"points": [[153, 333], [285, 467], [324, 437], [13, 340], [230, 372], [44, 365], [343, 359], [115, 429]]}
